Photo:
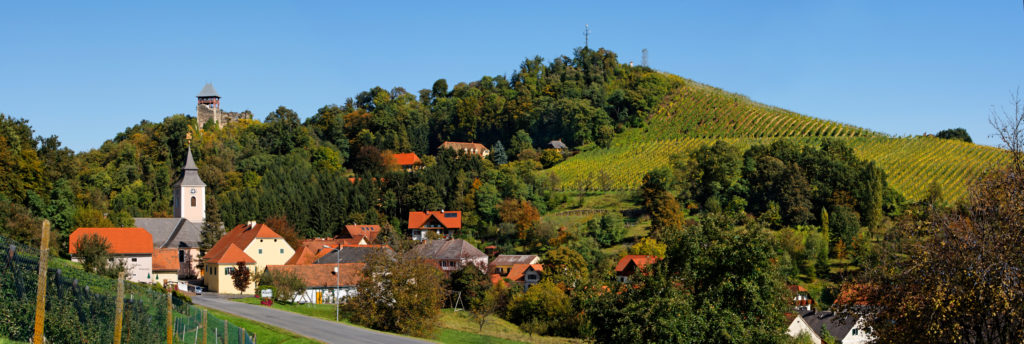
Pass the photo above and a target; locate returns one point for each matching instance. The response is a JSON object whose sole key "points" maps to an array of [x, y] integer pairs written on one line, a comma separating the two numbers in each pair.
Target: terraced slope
{"points": [[696, 115]]}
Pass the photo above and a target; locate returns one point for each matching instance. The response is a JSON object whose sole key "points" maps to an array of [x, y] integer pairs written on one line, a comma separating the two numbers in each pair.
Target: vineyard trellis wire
{"points": [[79, 305]]}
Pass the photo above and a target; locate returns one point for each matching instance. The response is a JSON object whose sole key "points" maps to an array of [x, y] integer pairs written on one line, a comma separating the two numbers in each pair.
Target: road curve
{"points": [[316, 328]]}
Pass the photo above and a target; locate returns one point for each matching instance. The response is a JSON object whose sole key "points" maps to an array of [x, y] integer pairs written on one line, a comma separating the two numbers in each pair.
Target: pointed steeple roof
{"points": [[191, 175], [208, 91]]}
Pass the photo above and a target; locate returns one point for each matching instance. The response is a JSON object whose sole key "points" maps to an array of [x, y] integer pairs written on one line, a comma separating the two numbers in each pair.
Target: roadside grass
{"points": [[495, 329], [10, 341], [264, 333], [323, 311]]}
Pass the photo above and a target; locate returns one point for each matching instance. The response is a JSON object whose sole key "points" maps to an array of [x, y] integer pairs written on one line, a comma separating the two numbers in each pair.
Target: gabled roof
{"points": [[639, 261], [448, 219], [352, 254], [165, 259], [468, 146], [517, 271], [557, 144], [121, 240], [302, 256], [240, 237], [510, 259], [173, 232], [406, 159], [838, 325], [370, 232], [231, 255], [446, 250], [191, 175], [322, 275], [208, 91]]}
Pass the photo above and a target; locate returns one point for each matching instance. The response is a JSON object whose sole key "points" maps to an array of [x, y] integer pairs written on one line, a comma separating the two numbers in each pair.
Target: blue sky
{"points": [[85, 71]]}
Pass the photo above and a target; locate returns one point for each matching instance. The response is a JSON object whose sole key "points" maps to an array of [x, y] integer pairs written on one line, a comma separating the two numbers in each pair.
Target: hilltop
{"points": [[692, 115]]}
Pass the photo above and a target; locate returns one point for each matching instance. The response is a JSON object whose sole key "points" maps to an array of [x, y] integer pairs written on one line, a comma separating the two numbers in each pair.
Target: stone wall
{"points": [[204, 113]]}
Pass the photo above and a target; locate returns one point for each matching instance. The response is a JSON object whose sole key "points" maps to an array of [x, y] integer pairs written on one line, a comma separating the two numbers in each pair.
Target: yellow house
{"points": [[255, 245], [165, 266]]}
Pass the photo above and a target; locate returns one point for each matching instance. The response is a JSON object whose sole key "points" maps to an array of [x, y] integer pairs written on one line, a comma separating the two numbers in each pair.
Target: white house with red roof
{"points": [[630, 264], [254, 244], [467, 147], [132, 247], [408, 161], [443, 223]]}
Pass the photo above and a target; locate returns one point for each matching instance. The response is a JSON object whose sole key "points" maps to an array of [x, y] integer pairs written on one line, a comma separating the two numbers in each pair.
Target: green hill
{"points": [[693, 115]]}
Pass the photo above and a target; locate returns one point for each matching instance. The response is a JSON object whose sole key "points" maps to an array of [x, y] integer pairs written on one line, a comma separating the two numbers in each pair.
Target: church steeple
{"points": [[190, 189]]}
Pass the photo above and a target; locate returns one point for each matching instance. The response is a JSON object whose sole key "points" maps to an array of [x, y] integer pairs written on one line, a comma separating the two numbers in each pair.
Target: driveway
{"points": [[316, 328]]}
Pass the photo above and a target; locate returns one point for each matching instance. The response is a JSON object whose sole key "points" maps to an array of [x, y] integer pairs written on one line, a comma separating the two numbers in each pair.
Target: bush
{"points": [[284, 284]]}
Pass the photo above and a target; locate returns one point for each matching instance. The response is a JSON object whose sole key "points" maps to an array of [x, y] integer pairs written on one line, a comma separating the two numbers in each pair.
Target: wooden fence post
{"points": [[204, 326], [119, 307], [44, 257], [226, 331], [170, 319]]}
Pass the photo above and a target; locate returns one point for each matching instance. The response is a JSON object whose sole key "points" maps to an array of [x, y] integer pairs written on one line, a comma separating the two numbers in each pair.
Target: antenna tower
{"points": [[586, 36], [645, 57]]}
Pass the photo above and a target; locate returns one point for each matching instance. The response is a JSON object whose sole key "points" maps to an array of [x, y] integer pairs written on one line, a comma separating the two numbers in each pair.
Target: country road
{"points": [[316, 328]]}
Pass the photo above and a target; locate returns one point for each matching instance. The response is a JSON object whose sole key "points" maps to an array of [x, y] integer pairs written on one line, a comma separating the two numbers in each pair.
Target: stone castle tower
{"points": [[209, 109], [190, 193]]}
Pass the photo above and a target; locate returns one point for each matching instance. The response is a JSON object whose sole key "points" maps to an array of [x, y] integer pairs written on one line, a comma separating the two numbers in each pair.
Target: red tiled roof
{"points": [[121, 240], [232, 255], [795, 288], [639, 260], [322, 275], [517, 271], [370, 232], [417, 219], [165, 259], [302, 256], [240, 237], [406, 159]]}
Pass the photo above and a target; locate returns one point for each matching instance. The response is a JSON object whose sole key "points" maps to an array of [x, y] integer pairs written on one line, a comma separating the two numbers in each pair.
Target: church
{"points": [[176, 240]]}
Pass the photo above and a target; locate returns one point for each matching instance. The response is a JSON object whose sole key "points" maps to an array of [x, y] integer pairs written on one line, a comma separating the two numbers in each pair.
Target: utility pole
{"points": [[586, 36]]}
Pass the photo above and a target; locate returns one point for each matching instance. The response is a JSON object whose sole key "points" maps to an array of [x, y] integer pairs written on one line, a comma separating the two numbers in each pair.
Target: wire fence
{"points": [[189, 328], [80, 307]]}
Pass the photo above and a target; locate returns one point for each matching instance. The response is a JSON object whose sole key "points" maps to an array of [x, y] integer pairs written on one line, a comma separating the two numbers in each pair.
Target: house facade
{"points": [[450, 255], [325, 283], [801, 299], [132, 247], [467, 147], [254, 244], [166, 267], [630, 264], [846, 328], [443, 223]]}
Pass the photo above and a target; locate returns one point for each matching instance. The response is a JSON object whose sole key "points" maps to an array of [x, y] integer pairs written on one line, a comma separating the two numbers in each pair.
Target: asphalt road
{"points": [[316, 328]]}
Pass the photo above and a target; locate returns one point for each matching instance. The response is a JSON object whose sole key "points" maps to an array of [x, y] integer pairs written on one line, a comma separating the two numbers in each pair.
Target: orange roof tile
{"points": [[322, 275], [121, 240], [638, 260], [240, 236], [448, 219], [370, 232], [165, 259], [406, 159], [302, 256], [232, 255], [517, 271]]}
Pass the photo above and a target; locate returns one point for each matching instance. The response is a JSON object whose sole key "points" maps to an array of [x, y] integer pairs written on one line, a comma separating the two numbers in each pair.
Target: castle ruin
{"points": [[209, 109]]}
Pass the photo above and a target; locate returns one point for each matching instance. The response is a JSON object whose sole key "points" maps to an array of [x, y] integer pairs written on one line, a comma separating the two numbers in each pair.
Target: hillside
{"points": [[693, 115]]}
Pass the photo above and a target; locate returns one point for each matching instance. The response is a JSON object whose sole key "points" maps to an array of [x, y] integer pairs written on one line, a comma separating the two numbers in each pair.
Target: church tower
{"points": [[190, 193]]}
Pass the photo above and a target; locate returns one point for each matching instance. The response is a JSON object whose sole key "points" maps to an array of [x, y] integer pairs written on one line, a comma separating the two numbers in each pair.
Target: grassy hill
{"points": [[693, 115]]}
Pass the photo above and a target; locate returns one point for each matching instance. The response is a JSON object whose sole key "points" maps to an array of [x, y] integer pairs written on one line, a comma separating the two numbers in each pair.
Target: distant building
{"points": [[208, 109], [449, 255], [558, 144], [368, 232], [844, 327], [165, 266], [325, 283], [443, 223], [630, 264], [524, 270], [132, 247], [467, 147], [255, 245], [801, 299], [352, 254], [408, 162]]}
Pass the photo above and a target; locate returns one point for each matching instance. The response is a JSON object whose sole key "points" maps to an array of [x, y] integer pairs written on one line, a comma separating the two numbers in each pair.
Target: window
{"points": [[193, 201], [275, 240], [181, 255], [531, 277], [135, 259], [451, 215], [260, 251], [282, 251], [229, 270], [854, 332]]}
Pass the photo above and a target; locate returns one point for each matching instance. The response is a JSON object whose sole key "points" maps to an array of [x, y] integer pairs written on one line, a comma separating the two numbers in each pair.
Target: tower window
{"points": [[193, 201]]}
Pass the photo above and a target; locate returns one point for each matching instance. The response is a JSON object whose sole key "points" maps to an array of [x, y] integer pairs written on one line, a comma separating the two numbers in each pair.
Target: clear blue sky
{"points": [[85, 71]]}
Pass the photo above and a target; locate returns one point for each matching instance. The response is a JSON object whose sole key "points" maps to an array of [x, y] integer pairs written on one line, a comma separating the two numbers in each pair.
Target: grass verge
{"points": [[264, 333], [497, 328]]}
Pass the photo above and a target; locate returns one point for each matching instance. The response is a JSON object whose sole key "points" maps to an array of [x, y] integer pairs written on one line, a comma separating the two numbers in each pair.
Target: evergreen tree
{"points": [[498, 155]]}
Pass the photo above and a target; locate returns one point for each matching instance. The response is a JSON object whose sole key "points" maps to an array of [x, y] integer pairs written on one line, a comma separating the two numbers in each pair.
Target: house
{"points": [[630, 264], [443, 223], [845, 328], [798, 325], [558, 144], [467, 147], [450, 255], [408, 161], [347, 254], [369, 232], [503, 263], [177, 234], [255, 245], [166, 267], [181, 232], [325, 283], [801, 298], [525, 275], [132, 247]]}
